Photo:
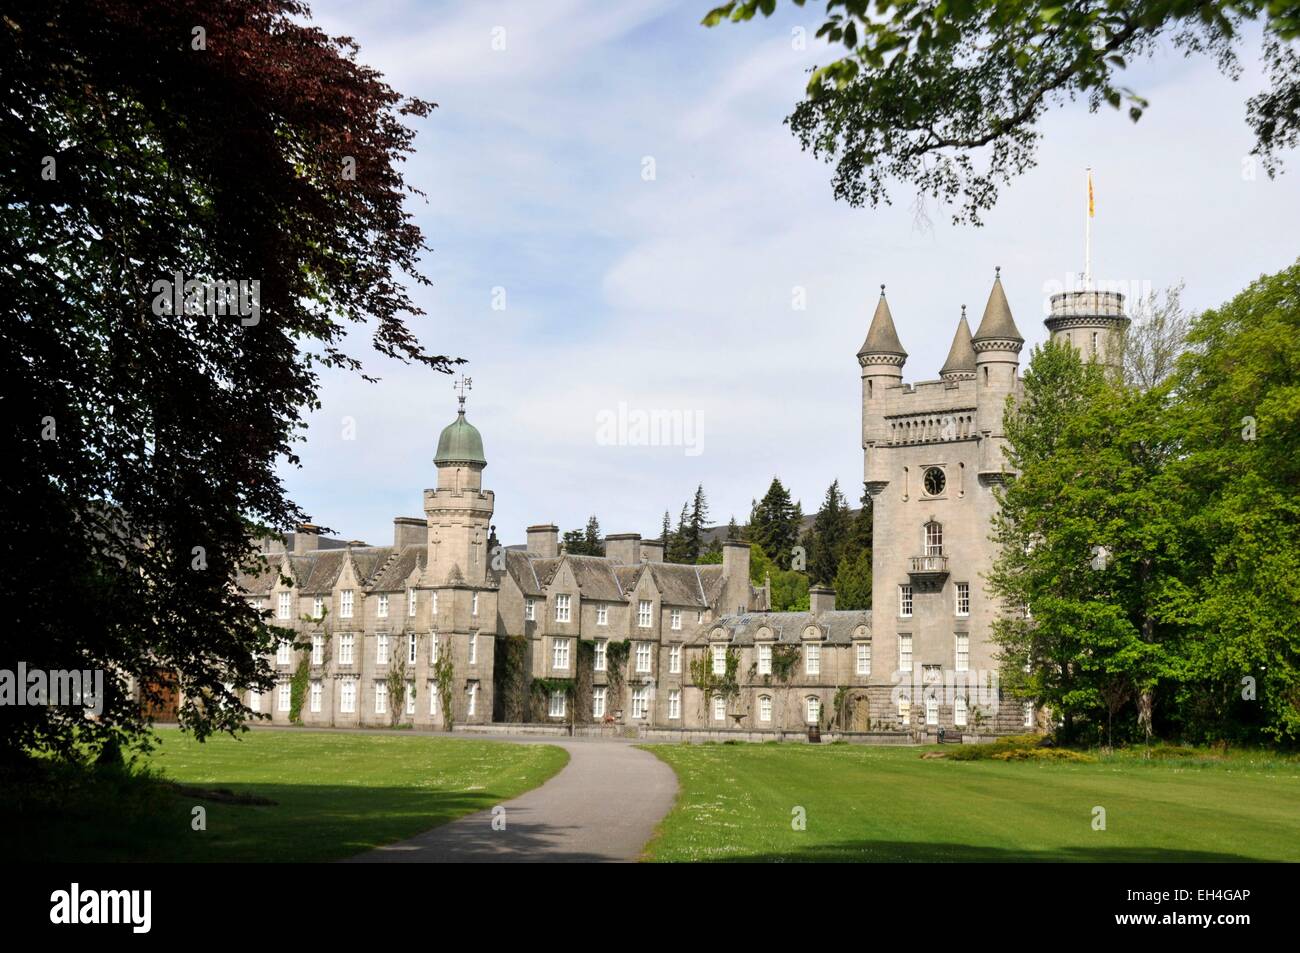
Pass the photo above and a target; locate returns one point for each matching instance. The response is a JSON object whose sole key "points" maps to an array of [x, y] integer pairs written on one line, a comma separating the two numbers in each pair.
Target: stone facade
{"points": [[630, 641]]}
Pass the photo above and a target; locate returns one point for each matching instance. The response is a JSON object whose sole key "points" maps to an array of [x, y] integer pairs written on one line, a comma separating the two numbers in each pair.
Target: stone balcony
{"points": [[928, 572]]}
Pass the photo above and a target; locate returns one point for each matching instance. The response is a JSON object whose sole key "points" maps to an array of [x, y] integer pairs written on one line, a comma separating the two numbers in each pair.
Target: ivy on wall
{"points": [[444, 680], [510, 669], [300, 682]]}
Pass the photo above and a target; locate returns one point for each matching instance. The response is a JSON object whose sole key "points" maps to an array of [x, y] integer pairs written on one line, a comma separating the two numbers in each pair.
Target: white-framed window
{"points": [[433, 698], [412, 646], [813, 709], [318, 649], [346, 643], [864, 658], [812, 659], [473, 604], [640, 702], [764, 707], [473, 650], [765, 660], [643, 614], [254, 701], [719, 659], [905, 601], [285, 606], [558, 699], [318, 607], [934, 539], [562, 613], [904, 653], [602, 615], [675, 620], [963, 653], [284, 652], [410, 698], [345, 604], [433, 648], [381, 698], [674, 703], [904, 709], [381, 649], [381, 607], [348, 696], [963, 598], [598, 701], [599, 660], [472, 692], [959, 711], [931, 709], [284, 695], [530, 610], [643, 656], [699, 616], [1029, 714], [560, 653], [719, 708], [674, 659], [317, 691]]}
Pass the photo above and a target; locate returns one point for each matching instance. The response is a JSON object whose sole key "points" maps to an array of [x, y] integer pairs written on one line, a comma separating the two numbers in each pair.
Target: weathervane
{"points": [[460, 387]]}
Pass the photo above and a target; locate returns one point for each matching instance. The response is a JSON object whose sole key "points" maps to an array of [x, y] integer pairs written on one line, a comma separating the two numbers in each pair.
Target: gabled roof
{"points": [[788, 627], [881, 337], [392, 574], [997, 323], [679, 585]]}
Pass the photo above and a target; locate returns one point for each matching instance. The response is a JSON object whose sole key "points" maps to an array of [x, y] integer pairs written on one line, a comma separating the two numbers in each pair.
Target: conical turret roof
{"points": [[961, 356], [997, 322], [882, 338]]}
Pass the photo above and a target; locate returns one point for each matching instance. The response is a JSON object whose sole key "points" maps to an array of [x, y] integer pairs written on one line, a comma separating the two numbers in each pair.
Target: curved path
{"points": [[602, 806]]}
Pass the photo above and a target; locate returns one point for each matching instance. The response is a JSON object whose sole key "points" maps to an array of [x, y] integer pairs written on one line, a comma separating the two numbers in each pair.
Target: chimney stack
{"points": [[821, 599], [544, 540], [735, 573], [410, 531], [306, 539], [652, 551], [623, 548]]}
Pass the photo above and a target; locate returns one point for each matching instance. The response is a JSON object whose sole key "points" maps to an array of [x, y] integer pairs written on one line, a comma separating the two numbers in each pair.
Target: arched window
{"points": [[959, 711], [764, 707], [814, 709], [904, 709], [931, 709], [933, 539]]}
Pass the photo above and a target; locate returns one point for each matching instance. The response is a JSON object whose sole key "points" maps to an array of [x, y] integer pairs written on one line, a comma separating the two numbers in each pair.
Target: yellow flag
{"points": [[1092, 207]]}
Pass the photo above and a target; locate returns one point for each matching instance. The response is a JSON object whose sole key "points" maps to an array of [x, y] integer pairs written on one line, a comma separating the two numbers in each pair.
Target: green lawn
{"points": [[886, 804], [335, 795]]}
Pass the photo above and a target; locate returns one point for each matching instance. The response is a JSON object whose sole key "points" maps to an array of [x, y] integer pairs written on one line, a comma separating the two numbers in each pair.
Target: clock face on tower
{"points": [[934, 481]]}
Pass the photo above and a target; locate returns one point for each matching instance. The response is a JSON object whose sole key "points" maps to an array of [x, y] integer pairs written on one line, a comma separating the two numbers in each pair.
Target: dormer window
{"points": [[345, 604]]}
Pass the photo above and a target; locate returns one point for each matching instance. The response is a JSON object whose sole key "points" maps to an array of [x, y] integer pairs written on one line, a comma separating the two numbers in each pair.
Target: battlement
{"points": [[1087, 304]]}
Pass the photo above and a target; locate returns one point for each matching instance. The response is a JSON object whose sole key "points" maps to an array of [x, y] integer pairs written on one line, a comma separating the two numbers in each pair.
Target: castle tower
{"points": [[882, 358], [1093, 322], [960, 365], [459, 510], [997, 345]]}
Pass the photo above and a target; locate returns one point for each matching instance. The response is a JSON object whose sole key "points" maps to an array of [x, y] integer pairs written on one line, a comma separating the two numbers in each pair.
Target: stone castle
{"points": [[445, 617]]}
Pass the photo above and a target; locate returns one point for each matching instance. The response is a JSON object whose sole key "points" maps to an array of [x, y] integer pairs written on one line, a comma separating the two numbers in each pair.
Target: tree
{"points": [[829, 536], [678, 546], [1239, 417], [733, 531], [1155, 339], [853, 581], [585, 542], [693, 529], [1090, 540], [143, 151], [948, 96], [773, 526]]}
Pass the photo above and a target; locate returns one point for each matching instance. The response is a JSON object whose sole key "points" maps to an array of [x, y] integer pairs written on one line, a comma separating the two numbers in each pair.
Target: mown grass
{"points": [[334, 795], [740, 802]]}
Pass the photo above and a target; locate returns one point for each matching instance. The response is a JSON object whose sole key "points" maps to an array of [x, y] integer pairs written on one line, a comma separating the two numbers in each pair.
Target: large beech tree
{"points": [[228, 140]]}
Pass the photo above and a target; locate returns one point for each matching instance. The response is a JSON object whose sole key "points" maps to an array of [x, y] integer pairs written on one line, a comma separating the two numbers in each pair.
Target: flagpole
{"points": [[1087, 236]]}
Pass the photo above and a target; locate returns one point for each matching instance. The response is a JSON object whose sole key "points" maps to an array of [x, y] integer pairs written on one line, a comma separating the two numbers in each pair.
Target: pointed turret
{"points": [[997, 323], [881, 337], [961, 356]]}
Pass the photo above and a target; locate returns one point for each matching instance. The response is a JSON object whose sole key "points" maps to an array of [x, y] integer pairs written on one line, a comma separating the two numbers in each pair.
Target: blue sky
{"points": [[675, 294]]}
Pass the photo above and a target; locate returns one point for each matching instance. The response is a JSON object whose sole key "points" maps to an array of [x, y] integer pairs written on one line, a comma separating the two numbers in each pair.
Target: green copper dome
{"points": [[460, 442]]}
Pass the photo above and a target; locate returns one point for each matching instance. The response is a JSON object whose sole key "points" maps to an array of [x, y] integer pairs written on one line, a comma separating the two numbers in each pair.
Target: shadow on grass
{"points": [[883, 851], [306, 823]]}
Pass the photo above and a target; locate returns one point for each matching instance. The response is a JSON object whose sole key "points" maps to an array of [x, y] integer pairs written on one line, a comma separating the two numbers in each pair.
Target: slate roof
{"points": [[882, 338], [997, 323], [961, 356], [838, 626]]}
